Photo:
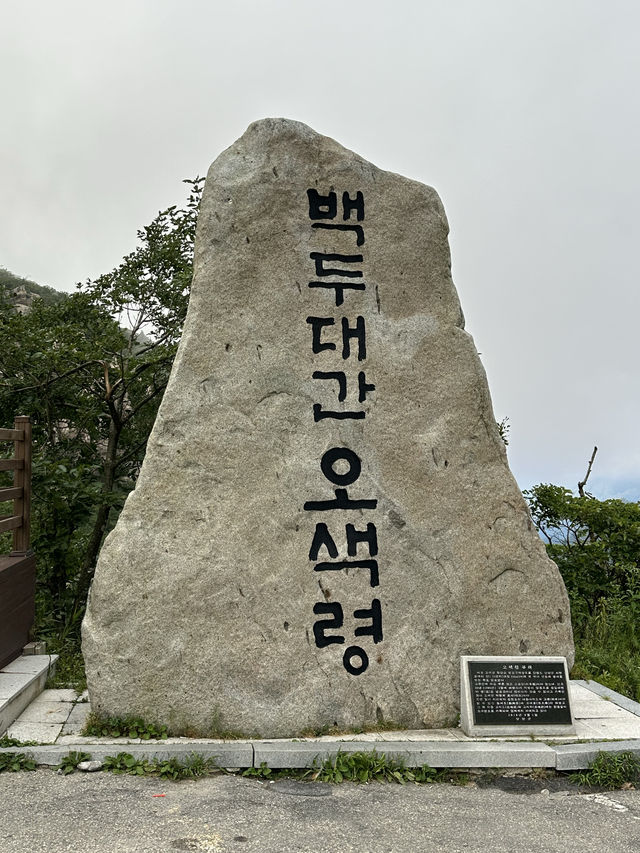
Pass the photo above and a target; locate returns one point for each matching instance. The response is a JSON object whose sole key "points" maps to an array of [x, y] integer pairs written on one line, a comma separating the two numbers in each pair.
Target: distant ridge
{"points": [[21, 292]]}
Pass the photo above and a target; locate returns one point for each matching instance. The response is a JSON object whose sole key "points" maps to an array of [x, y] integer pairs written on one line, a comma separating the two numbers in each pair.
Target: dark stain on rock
{"points": [[396, 519]]}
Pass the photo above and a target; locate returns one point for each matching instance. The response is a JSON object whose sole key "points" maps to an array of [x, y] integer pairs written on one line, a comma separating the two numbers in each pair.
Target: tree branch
{"points": [[142, 403], [583, 483], [130, 454], [58, 378]]}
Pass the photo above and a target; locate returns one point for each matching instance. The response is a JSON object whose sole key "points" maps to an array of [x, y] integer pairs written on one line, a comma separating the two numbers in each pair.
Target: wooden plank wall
{"points": [[18, 569], [17, 604]]}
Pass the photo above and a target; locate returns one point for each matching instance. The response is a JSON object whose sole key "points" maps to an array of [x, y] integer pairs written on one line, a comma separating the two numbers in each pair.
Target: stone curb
{"points": [[230, 754], [578, 756], [414, 753], [302, 754]]}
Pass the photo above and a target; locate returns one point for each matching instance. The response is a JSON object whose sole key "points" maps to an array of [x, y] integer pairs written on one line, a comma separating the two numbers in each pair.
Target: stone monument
{"points": [[325, 519]]}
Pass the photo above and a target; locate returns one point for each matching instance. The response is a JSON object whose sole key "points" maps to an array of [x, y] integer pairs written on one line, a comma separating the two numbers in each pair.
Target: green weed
{"points": [[15, 761], [8, 742], [372, 766], [70, 671], [609, 770], [123, 762], [262, 772], [360, 767], [193, 767], [98, 725], [71, 761]]}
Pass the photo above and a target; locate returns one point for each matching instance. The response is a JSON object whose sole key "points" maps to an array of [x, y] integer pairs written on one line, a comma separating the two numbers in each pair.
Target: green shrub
{"points": [[596, 546], [610, 770]]}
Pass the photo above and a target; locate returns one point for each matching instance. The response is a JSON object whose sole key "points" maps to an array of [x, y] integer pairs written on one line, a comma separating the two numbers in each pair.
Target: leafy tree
{"points": [[91, 371], [596, 545], [48, 367]]}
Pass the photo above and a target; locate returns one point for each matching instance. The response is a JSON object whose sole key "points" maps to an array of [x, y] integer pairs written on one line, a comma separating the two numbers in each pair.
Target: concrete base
{"points": [[57, 717]]}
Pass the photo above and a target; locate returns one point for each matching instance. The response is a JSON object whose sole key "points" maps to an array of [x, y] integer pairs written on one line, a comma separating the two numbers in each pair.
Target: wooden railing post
{"points": [[22, 480]]}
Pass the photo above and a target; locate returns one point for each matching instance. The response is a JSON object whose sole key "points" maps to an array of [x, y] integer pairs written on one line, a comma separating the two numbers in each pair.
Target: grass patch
{"points": [[359, 767], [70, 671], [98, 725], [610, 770], [608, 645]]}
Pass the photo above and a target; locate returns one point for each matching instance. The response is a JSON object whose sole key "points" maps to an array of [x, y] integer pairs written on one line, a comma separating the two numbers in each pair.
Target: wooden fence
{"points": [[18, 569]]}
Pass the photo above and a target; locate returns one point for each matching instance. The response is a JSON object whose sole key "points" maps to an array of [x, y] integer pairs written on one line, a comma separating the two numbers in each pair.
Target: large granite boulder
{"points": [[325, 519]]}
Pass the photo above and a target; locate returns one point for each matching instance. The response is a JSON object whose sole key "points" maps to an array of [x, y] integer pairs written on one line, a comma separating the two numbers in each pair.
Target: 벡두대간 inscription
{"points": [[352, 386]]}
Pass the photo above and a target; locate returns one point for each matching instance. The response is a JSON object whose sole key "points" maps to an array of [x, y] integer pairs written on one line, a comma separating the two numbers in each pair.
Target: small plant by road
{"points": [[15, 761], [360, 767], [192, 767], [69, 763], [610, 770]]}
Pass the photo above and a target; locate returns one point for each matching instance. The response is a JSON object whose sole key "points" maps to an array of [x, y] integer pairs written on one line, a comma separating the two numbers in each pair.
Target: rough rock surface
{"points": [[201, 614]]}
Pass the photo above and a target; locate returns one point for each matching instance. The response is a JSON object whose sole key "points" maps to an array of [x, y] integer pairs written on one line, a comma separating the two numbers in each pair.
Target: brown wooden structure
{"points": [[18, 569]]}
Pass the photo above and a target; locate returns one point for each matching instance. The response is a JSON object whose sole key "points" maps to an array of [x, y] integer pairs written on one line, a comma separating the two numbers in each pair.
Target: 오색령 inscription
{"points": [[351, 384]]}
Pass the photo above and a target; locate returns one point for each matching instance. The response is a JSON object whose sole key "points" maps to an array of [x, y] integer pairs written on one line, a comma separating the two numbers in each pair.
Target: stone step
{"points": [[20, 682]]}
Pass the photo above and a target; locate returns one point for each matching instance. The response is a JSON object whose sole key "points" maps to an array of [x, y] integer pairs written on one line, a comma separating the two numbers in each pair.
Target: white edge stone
{"points": [[413, 753], [578, 756], [607, 693], [230, 754], [302, 754]]}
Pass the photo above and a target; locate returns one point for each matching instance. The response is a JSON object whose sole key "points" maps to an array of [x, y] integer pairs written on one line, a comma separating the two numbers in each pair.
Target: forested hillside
{"points": [[90, 368], [11, 287]]}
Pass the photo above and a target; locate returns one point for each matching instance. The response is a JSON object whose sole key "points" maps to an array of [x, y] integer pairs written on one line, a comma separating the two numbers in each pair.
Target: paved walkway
{"points": [[604, 720]]}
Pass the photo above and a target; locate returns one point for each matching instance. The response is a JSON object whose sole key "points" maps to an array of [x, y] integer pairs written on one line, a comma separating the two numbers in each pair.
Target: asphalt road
{"points": [[41, 812]]}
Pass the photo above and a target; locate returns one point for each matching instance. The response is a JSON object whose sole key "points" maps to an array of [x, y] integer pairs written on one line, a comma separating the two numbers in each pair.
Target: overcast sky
{"points": [[523, 114]]}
